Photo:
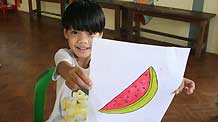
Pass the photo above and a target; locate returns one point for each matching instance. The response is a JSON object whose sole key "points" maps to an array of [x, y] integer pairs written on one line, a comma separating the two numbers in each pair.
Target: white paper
{"points": [[115, 65]]}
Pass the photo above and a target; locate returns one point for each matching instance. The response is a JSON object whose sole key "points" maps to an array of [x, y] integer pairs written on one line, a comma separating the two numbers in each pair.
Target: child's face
{"points": [[80, 42]]}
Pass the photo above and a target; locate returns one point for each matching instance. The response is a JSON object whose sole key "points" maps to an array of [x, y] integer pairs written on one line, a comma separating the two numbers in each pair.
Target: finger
{"points": [[188, 81], [84, 76], [80, 82], [178, 91], [75, 86], [193, 85], [75, 78], [72, 85], [188, 90], [190, 84]]}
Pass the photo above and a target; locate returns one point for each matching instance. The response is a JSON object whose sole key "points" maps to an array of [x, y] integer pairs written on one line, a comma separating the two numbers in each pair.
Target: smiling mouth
{"points": [[83, 48]]}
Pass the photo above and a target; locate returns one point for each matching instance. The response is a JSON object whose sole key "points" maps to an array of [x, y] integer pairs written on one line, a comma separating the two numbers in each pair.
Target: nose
{"points": [[83, 39]]}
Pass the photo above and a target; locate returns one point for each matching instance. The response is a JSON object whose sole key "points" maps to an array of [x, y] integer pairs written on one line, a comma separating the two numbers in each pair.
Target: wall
{"points": [[45, 6], [159, 24], [24, 6], [212, 7], [168, 26]]}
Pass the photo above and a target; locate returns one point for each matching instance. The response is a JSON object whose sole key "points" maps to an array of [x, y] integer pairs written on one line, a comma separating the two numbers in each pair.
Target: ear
{"points": [[101, 34], [65, 33]]}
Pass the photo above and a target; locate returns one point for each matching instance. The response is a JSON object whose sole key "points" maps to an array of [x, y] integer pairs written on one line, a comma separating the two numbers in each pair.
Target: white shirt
{"points": [[68, 108]]}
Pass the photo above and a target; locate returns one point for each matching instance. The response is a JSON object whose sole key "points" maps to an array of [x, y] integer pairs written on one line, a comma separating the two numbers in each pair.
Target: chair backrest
{"points": [[39, 94]]}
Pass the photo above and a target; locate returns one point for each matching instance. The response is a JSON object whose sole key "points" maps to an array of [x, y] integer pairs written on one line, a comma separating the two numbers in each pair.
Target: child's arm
{"points": [[188, 85], [75, 77]]}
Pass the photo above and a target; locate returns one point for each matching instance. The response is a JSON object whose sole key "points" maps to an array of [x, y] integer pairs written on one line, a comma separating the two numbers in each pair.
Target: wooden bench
{"points": [[189, 16], [117, 7], [127, 28], [110, 5], [38, 7]]}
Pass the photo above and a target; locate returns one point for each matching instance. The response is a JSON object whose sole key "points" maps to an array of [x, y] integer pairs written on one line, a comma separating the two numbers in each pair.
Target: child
{"points": [[82, 21]]}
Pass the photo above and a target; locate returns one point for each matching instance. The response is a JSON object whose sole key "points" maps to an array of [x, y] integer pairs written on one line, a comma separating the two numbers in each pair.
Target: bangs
{"points": [[83, 16]]}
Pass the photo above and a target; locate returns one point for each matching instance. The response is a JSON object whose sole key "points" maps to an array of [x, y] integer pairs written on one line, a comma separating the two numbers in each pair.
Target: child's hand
{"points": [[75, 77], [188, 85], [78, 78]]}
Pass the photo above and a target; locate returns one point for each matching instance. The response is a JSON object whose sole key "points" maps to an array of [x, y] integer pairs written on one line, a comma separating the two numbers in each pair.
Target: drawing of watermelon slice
{"points": [[135, 96]]}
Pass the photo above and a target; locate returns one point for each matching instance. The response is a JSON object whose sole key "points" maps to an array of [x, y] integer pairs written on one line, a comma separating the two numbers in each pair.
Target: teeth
{"points": [[82, 48]]}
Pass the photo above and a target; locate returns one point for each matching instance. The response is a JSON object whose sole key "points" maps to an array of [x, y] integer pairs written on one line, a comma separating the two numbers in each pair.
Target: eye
{"points": [[74, 32], [89, 34], [92, 35]]}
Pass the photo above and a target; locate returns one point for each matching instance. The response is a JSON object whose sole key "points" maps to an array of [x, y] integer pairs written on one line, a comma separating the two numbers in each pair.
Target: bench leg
{"points": [[130, 26], [38, 7], [201, 41]]}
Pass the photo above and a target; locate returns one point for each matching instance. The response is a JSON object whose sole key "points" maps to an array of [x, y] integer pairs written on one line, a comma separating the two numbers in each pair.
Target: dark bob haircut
{"points": [[84, 15]]}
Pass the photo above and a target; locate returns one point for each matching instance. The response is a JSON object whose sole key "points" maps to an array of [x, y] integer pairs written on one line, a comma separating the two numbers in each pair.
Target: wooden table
{"points": [[201, 18]]}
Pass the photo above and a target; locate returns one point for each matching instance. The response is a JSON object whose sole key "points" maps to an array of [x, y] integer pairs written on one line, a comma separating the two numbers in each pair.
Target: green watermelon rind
{"points": [[145, 99]]}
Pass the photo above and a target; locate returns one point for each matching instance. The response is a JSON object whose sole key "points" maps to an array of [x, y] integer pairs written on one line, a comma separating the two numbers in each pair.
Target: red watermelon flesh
{"points": [[131, 94]]}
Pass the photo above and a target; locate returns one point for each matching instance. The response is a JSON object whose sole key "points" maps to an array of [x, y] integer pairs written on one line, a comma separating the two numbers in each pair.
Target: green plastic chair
{"points": [[39, 94]]}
